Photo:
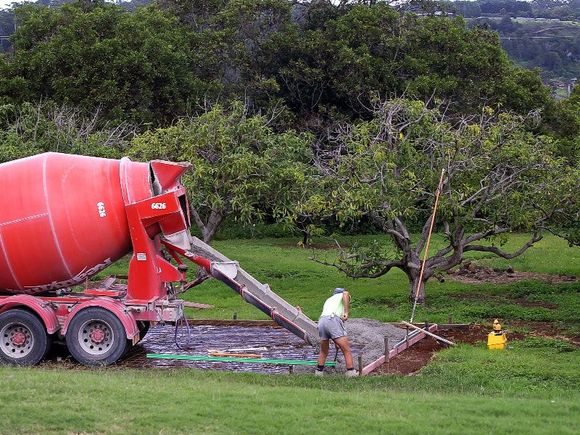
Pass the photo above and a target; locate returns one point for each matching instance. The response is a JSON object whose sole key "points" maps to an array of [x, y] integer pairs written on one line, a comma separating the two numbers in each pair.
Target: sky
{"points": [[5, 3]]}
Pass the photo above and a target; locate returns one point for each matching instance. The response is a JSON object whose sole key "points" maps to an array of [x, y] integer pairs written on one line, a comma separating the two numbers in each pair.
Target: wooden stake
{"points": [[437, 194], [360, 365], [386, 348]]}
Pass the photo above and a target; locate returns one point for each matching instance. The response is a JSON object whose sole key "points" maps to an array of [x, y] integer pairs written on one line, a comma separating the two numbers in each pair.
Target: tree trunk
{"points": [[210, 226], [207, 233], [413, 283]]}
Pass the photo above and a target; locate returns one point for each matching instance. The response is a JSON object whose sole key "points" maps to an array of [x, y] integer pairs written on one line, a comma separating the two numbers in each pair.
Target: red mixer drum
{"points": [[62, 218]]}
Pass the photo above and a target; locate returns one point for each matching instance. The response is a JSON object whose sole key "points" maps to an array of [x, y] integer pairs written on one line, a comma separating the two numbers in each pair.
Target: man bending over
{"points": [[331, 327]]}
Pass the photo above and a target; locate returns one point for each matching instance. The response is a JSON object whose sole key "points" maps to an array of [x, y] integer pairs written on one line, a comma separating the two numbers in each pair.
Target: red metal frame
{"points": [[41, 308], [149, 272], [116, 307]]}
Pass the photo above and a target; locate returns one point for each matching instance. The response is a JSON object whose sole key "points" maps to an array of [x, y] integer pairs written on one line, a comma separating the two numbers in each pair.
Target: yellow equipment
{"points": [[496, 339]]}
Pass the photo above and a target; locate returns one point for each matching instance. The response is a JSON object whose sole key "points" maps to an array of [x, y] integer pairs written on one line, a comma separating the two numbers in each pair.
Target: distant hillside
{"points": [[541, 34]]}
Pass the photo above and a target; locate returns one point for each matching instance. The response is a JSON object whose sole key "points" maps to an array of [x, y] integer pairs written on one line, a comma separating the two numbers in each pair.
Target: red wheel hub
{"points": [[97, 335], [18, 339]]}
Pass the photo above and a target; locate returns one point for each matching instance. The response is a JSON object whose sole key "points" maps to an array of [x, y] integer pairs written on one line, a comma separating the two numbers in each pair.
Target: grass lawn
{"points": [[467, 389], [290, 272], [533, 387]]}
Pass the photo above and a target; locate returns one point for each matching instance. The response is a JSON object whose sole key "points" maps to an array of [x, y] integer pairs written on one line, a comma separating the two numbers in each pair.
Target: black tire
{"points": [[96, 337], [143, 328], [23, 338]]}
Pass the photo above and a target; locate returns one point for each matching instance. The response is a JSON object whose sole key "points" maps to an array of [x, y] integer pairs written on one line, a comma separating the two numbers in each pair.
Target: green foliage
{"points": [[368, 50], [130, 66], [240, 166], [563, 121], [324, 62]]}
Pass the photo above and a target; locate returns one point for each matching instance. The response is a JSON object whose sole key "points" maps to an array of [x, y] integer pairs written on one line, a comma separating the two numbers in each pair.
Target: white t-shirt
{"points": [[333, 305]]}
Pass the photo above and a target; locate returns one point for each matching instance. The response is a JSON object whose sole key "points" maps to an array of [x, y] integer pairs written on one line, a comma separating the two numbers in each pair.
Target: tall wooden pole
{"points": [[437, 195]]}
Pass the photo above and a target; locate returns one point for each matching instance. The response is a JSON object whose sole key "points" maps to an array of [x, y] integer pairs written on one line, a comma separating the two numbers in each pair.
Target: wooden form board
{"points": [[413, 338]]}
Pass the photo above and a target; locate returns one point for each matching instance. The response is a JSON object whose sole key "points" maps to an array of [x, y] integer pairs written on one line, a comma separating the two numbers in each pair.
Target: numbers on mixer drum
{"points": [[158, 205], [101, 209]]}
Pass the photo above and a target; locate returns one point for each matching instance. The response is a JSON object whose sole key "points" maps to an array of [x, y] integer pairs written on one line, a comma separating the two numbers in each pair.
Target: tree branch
{"points": [[385, 267], [536, 237]]}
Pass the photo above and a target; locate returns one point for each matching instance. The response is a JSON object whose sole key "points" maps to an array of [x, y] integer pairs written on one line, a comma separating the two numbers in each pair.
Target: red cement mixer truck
{"points": [[64, 218]]}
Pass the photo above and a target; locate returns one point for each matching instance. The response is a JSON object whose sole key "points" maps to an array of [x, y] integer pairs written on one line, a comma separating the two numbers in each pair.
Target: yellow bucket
{"points": [[496, 341]]}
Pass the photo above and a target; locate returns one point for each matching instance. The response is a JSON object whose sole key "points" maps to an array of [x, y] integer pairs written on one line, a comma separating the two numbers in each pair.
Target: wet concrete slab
{"points": [[272, 342]]}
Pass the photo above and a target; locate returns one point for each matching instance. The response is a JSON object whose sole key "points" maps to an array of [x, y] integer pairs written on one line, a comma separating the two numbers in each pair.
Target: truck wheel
{"points": [[23, 338], [96, 336]]}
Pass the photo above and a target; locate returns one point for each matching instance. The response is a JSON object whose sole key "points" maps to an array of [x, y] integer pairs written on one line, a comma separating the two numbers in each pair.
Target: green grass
{"points": [[532, 387], [290, 272]]}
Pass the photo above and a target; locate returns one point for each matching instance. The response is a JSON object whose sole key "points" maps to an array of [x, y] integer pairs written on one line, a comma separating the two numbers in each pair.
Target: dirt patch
{"points": [[367, 339], [472, 273], [544, 330], [271, 342], [411, 360], [502, 299]]}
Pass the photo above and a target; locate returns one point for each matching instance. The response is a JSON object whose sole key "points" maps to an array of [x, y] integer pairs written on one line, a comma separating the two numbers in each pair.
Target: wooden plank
{"points": [[440, 326], [231, 322], [429, 333], [235, 354], [197, 305]]}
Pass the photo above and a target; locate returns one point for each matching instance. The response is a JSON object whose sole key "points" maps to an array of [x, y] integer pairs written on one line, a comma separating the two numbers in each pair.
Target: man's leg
{"points": [[342, 343], [324, 345]]}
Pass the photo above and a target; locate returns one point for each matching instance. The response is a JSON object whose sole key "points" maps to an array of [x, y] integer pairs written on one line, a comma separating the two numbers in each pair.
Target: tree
{"points": [[241, 167], [563, 122], [336, 64], [498, 178], [31, 129], [132, 66]]}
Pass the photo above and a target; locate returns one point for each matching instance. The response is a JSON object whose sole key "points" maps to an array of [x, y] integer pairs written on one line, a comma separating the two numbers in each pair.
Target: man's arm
{"points": [[345, 304]]}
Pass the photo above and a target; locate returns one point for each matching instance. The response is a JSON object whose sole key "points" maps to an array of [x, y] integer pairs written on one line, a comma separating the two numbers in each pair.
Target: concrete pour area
{"points": [[366, 336], [269, 341]]}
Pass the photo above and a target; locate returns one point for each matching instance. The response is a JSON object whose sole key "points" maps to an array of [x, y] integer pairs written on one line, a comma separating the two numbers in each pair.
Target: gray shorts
{"points": [[331, 327]]}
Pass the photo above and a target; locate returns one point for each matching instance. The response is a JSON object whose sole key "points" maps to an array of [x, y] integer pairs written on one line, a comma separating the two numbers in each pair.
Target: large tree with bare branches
{"points": [[498, 178]]}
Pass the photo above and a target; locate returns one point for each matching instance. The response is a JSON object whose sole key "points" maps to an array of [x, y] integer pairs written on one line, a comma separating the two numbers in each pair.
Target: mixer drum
{"points": [[62, 218]]}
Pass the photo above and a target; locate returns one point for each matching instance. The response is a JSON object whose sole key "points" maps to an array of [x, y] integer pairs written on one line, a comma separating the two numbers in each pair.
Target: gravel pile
{"points": [[370, 334], [367, 338]]}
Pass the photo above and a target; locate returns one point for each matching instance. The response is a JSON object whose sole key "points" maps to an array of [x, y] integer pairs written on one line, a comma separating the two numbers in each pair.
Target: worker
{"points": [[331, 327]]}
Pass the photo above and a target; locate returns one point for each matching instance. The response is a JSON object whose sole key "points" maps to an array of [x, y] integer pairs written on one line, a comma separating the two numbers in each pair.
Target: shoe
{"points": [[351, 373], [318, 372]]}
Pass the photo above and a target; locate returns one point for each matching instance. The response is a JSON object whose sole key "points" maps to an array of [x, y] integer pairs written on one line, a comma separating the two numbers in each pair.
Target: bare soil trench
{"points": [[411, 360], [472, 273]]}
